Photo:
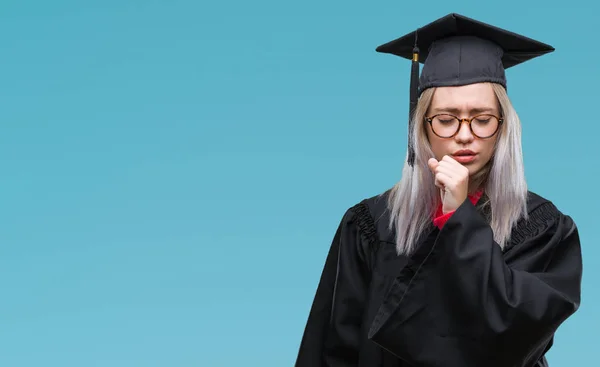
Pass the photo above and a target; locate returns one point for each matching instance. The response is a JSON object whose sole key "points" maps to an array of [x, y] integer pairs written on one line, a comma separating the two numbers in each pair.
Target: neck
{"points": [[478, 179]]}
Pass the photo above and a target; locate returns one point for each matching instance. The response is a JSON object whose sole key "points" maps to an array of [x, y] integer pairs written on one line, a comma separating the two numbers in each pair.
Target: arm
{"points": [[468, 304], [331, 337]]}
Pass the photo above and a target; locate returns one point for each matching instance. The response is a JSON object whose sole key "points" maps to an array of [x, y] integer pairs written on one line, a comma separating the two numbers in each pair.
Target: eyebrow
{"points": [[458, 110]]}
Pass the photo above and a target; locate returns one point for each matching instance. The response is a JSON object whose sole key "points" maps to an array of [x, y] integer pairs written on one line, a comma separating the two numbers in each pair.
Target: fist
{"points": [[453, 180]]}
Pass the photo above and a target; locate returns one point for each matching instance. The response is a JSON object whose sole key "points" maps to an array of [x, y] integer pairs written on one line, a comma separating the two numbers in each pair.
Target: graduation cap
{"points": [[456, 50]]}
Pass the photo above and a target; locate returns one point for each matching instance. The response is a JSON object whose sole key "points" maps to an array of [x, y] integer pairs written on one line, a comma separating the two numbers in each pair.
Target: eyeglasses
{"points": [[447, 126]]}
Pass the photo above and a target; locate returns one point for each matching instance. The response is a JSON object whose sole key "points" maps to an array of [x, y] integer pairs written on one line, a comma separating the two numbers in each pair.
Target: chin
{"points": [[473, 169]]}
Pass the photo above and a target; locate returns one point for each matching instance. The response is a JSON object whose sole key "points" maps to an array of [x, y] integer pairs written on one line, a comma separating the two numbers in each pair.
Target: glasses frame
{"points": [[468, 121]]}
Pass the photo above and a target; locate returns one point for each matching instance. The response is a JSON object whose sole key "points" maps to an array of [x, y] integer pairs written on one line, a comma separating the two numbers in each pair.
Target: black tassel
{"points": [[414, 97]]}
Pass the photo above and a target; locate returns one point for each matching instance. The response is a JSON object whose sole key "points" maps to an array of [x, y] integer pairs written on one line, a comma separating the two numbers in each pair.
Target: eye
{"points": [[445, 119], [483, 119]]}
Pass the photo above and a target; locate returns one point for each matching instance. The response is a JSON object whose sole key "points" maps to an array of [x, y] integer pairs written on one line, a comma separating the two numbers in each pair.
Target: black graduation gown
{"points": [[459, 301]]}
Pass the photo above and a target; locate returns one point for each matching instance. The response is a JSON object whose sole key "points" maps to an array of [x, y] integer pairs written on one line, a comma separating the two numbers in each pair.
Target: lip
{"points": [[464, 156], [463, 152]]}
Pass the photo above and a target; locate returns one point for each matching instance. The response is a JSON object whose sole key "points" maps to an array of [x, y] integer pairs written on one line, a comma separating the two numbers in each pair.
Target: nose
{"points": [[464, 134]]}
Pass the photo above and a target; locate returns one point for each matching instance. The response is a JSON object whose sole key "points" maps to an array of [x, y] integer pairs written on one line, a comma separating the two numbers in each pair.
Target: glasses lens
{"points": [[445, 125], [484, 125]]}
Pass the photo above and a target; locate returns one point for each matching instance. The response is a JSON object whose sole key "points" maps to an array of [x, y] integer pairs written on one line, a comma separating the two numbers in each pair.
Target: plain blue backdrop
{"points": [[172, 172]]}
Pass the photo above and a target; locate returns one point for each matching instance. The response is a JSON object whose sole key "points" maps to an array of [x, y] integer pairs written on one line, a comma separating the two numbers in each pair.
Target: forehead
{"points": [[467, 98]]}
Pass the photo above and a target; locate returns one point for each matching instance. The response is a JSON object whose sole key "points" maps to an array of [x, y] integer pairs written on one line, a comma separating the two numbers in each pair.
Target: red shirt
{"points": [[441, 218]]}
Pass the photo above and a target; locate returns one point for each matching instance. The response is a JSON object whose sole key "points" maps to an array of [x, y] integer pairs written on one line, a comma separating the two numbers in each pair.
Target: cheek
{"points": [[488, 148], [440, 147], [434, 141]]}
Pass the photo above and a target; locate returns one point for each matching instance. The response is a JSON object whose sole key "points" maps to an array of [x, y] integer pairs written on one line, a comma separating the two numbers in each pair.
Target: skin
{"points": [[451, 176]]}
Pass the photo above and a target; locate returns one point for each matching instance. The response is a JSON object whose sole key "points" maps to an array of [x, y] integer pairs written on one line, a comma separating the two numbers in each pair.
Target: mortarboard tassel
{"points": [[414, 97]]}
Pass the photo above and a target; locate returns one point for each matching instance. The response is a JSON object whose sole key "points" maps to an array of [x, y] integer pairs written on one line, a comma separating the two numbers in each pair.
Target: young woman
{"points": [[458, 264]]}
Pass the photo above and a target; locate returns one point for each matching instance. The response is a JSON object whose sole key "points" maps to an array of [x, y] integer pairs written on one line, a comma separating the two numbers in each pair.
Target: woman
{"points": [[458, 264]]}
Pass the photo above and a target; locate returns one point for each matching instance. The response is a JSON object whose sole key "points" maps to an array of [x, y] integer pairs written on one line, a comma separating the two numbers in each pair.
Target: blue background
{"points": [[172, 172]]}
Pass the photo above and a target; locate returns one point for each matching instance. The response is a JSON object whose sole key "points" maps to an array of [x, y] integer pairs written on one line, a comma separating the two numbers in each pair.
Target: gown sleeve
{"points": [[463, 302], [331, 335]]}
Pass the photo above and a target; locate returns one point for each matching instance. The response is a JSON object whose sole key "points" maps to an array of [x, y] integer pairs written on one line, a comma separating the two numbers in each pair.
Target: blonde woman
{"points": [[458, 264]]}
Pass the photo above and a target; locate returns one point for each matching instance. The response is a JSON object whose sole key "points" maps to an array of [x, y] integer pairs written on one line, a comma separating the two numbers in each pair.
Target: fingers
{"points": [[442, 180], [433, 163], [452, 162], [446, 160], [452, 179], [434, 166], [438, 183], [446, 166], [446, 169], [448, 172], [449, 159], [452, 167]]}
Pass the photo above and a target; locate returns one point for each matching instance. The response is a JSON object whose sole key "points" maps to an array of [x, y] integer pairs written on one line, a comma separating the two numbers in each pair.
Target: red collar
{"points": [[474, 197]]}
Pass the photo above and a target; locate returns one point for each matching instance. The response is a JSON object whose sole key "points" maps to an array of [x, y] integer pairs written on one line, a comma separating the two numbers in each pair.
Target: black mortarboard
{"points": [[457, 50]]}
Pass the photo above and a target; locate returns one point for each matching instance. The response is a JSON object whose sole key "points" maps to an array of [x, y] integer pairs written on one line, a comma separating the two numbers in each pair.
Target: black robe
{"points": [[458, 301]]}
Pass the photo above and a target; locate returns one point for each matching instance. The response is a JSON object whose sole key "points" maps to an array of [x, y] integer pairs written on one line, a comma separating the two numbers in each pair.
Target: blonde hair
{"points": [[414, 199]]}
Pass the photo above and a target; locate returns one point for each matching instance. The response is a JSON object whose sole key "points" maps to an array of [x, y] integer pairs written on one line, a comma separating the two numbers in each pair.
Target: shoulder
{"points": [[537, 202], [371, 216], [543, 217], [542, 207]]}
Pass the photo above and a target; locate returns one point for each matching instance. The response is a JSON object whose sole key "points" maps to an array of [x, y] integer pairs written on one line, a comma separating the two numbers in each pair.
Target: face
{"points": [[464, 102]]}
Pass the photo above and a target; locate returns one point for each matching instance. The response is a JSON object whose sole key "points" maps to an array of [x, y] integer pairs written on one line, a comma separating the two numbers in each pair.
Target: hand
{"points": [[453, 180]]}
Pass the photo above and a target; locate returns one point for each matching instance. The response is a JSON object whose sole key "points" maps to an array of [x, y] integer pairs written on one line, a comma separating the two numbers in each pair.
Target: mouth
{"points": [[464, 156], [464, 152]]}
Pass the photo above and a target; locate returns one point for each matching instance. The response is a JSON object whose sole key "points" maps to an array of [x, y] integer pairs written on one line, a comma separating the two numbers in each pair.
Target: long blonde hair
{"points": [[414, 199]]}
